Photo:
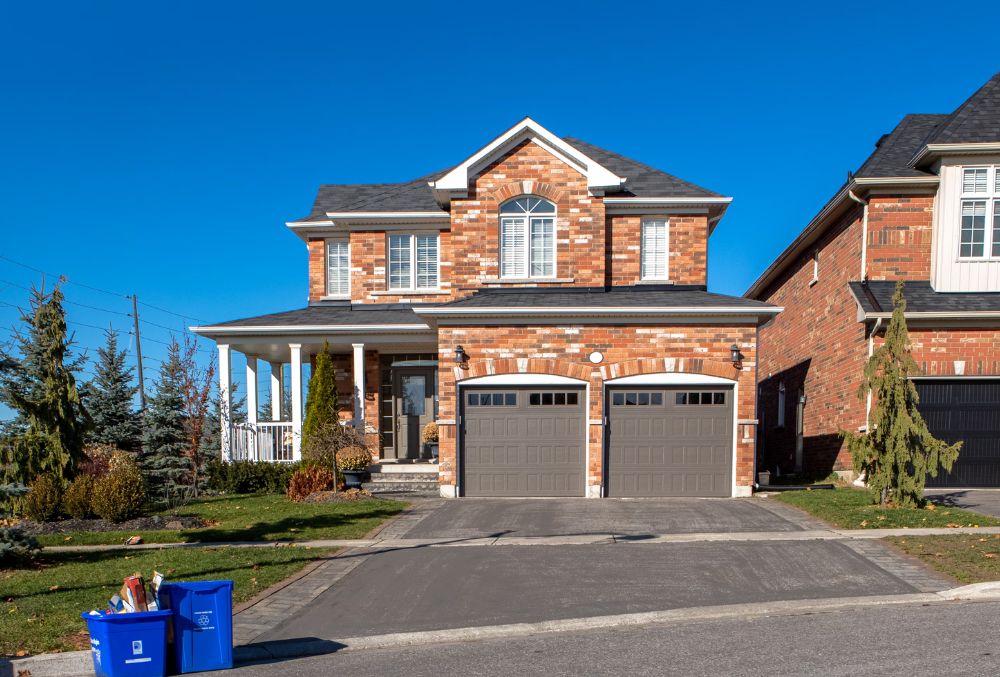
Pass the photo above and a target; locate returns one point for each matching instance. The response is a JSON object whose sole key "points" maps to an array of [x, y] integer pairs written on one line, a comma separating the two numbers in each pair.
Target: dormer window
{"points": [[980, 235], [527, 238]]}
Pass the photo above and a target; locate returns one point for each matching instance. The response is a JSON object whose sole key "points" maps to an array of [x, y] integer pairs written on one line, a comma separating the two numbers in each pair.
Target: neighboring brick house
{"points": [[923, 208], [545, 302]]}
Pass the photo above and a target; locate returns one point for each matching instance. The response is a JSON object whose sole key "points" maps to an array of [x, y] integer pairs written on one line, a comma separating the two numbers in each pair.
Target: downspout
{"points": [[864, 233]]}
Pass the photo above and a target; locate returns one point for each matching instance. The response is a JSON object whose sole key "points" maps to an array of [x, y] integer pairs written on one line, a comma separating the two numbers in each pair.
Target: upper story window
{"points": [[527, 238], [655, 235], [413, 262], [980, 236], [338, 268]]}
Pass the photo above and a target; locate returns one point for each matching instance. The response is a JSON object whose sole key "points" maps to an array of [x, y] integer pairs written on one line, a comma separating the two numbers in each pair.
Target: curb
{"points": [[79, 662]]}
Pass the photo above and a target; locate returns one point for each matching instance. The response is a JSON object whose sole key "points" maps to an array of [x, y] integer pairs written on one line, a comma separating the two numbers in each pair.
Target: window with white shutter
{"points": [[980, 213], [654, 249], [413, 262], [527, 238], [338, 275]]}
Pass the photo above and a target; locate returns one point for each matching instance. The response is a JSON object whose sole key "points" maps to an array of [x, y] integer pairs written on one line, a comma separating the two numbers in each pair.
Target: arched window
{"points": [[527, 238]]}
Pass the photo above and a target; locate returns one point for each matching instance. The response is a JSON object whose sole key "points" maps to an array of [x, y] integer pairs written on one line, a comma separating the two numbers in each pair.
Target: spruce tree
{"points": [[40, 385], [164, 460], [110, 396], [897, 452]]}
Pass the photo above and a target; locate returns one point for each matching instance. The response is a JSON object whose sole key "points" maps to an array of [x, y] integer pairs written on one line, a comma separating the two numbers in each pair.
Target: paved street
{"points": [[985, 501], [952, 639]]}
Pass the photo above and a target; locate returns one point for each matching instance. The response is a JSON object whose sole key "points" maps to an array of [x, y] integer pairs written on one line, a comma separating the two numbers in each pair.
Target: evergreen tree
{"points": [[110, 396], [15, 546], [164, 460], [40, 385], [897, 452], [321, 398]]}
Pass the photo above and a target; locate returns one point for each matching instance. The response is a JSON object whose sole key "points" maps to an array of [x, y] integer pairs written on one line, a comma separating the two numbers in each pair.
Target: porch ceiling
{"points": [[275, 349]]}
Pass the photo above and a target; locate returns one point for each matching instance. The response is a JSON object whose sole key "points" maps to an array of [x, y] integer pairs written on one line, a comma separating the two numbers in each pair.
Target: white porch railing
{"points": [[270, 441]]}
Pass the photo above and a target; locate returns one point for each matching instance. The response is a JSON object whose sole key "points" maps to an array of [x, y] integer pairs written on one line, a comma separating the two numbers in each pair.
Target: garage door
{"points": [[523, 441], [967, 410], [670, 441]]}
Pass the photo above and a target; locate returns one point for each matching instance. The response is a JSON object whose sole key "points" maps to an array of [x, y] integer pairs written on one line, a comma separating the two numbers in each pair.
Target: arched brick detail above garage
{"points": [[660, 365], [520, 188], [522, 365]]}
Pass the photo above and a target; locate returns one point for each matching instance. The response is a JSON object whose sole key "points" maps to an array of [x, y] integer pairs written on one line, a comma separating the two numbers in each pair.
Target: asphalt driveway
{"points": [[478, 518], [985, 501]]}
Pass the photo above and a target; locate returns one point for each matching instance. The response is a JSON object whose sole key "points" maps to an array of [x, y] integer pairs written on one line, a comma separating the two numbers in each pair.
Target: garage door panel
{"points": [[543, 448], [966, 410], [673, 448]]}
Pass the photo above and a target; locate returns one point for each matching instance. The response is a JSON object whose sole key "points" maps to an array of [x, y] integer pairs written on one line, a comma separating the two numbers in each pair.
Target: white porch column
{"points": [[225, 400], [296, 350], [359, 385], [252, 390], [277, 389]]}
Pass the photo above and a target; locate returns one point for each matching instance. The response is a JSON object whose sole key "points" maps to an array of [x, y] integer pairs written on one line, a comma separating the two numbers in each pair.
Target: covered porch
{"points": [[386, 382]]}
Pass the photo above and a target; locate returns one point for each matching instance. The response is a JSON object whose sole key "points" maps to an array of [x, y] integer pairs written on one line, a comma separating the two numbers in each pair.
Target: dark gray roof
{"points": [[977, 120], [643, 180], [876, 297], [416, 195], [643, 296], [894, 151], [332, 314]]}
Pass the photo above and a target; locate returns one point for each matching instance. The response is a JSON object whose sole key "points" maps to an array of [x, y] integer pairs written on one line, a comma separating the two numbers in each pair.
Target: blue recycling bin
{"points": [[128, 645], [203, 624]]}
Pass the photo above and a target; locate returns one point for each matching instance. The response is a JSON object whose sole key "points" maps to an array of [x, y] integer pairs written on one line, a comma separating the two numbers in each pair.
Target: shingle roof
{"points": [[876, 297], [416, 195], [332, 315], [644, 296], [977, 120], [894, 151]]}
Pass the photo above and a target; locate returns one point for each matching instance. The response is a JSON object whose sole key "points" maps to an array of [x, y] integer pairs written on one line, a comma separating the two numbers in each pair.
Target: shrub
{"points": [[429, 435], [326, 442], [354, 458], [120, 494], [97, 460], [309, 480], [249, 477], [77, 502], [44, 500], [15, 547]]}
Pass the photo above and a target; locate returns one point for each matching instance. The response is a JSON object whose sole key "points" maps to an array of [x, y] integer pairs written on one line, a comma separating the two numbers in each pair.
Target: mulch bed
{"points": [[154, 523], [338, 496]]}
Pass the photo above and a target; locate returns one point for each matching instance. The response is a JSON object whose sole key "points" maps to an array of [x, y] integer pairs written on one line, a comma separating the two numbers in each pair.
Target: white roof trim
{"points": [[439, 311], [670, 379], [933, 149], [521, 380], [667, 201], [388, 216], [309, 329], [457, 180], [940, 315]]}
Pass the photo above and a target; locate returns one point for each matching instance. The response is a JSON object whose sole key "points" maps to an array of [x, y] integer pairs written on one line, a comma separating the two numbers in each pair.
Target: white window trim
{"points": [[666, 249], [992, 198], [326, 256], [412, 288], [527, 241]]}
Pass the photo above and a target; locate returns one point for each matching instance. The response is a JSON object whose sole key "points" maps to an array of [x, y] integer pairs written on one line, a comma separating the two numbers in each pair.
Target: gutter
{"points": [[440, 311], [309, 329]]}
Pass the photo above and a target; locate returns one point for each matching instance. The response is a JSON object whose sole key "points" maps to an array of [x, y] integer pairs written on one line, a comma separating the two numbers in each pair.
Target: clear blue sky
{"points": [[158, 148]]}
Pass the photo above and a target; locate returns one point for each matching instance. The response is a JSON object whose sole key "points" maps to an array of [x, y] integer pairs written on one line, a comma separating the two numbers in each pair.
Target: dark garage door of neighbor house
{"points": [[670, 441], [967, 410], [523, 441]]}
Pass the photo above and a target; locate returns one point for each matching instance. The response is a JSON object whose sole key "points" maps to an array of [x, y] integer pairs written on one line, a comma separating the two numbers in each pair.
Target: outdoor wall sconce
{"points": [[736, 355], [460, 355]]}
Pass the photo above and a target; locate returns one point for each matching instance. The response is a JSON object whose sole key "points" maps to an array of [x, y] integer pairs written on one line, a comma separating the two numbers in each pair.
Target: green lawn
{"points": [[849, 508], [966, 558], [40, 608], [254, 517]]}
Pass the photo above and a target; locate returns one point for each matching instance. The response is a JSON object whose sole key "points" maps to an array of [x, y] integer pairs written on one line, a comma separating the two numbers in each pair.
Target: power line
{"points": [[170, 312]]}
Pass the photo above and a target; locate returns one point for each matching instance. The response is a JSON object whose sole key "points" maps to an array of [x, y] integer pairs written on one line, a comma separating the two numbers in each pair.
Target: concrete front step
{"points": [[424, 488], [408, 477]]}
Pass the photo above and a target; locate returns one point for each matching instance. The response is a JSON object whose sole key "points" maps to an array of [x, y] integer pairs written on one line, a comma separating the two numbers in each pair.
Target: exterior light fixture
{"points": [[460, 354], [737, 357]]}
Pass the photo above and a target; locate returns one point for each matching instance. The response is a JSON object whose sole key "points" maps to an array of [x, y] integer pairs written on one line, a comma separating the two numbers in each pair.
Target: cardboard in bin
{"points": [[130, 644]]}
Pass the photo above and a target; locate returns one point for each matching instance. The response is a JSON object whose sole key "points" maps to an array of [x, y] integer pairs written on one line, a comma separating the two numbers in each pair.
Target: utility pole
{"points": [[138, 352]]}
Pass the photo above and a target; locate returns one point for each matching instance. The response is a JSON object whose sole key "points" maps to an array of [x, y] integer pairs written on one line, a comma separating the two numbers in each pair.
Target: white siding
{"points": [[949, 273]]}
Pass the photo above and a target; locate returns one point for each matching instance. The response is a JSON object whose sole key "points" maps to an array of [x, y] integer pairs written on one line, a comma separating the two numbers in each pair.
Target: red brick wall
{"points": [[565, 350], [688, 249], [899, 237], [817, 344], [937, 350]]}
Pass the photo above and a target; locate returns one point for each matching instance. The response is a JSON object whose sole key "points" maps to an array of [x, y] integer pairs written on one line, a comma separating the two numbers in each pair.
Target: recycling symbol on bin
{"points": [[204, 620]]}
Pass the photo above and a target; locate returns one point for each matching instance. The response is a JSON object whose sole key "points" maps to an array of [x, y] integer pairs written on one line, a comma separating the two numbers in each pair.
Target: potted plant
{"points": [[353, 462], [429, 436]]}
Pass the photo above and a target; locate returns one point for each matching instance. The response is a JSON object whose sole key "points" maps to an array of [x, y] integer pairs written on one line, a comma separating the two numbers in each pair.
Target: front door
{"points": [[413, 408]]}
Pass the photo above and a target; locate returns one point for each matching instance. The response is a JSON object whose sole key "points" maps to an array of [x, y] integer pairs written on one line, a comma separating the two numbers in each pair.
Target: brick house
{"points": [[545, 302], [923, 208]]}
